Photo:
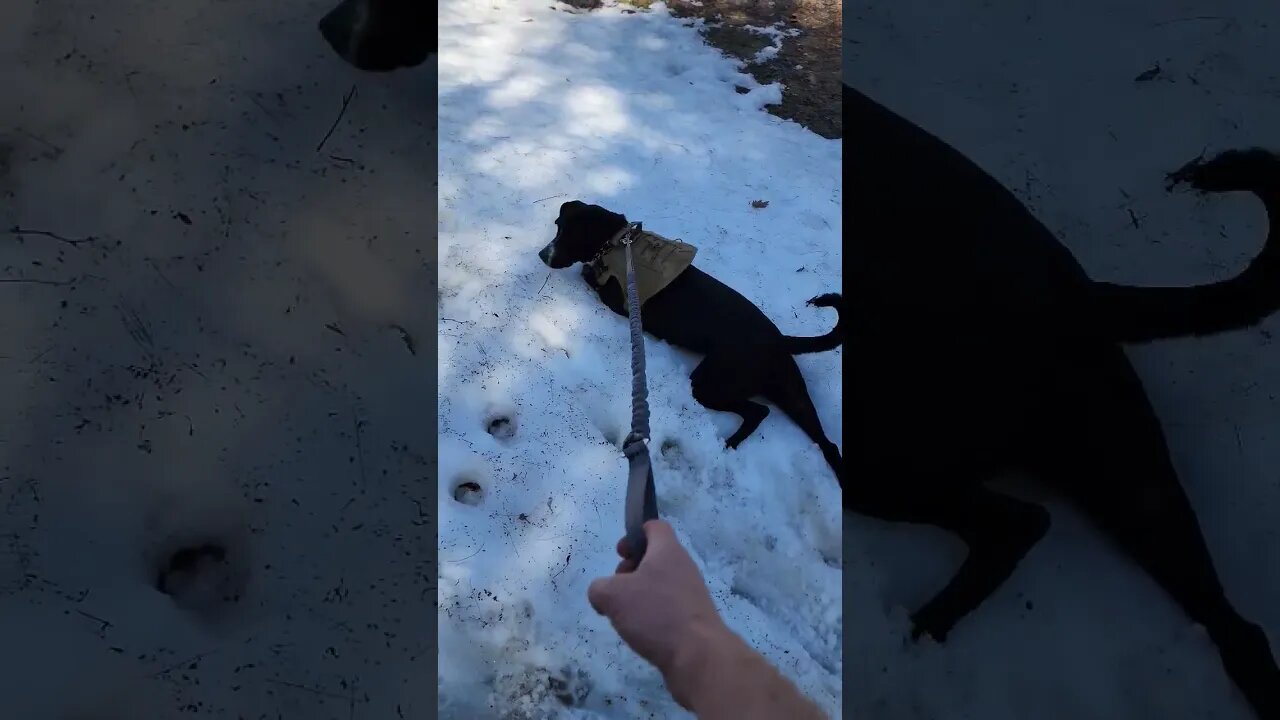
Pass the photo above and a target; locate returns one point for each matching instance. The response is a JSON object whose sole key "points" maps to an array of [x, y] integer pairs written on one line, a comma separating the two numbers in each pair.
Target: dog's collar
{"points": [[619, 239]]}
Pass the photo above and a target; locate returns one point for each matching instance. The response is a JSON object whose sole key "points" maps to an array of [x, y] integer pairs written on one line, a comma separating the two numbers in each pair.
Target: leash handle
{"points": [[641, 500]]}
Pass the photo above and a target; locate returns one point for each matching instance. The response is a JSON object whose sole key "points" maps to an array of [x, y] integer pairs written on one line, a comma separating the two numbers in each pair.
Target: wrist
{"points": [[707, 650], [717, 675]]}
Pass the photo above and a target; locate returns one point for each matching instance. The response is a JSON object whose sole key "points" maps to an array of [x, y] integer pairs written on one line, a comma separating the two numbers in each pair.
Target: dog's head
{"points": [[381, 35], [581, 230]]}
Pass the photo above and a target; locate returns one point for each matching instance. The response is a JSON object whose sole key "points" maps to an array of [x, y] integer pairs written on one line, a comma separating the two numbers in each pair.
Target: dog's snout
{"points": [[545, 254], [380, 35]]}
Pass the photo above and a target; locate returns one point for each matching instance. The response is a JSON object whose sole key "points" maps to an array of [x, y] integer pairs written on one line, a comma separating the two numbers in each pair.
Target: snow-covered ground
{"points": [[220, 364], [1044, 96], [632, 111]]}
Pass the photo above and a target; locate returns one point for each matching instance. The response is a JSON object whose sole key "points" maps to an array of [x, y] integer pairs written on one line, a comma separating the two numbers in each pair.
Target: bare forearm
{"points": [[720, 677]]}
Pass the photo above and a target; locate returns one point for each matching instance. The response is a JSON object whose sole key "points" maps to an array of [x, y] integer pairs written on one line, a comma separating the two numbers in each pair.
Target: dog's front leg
{"points": [[998, 529], [610, 292]]}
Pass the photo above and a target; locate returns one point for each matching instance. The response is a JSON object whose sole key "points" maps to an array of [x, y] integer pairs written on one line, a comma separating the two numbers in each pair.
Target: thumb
{"points": [[601, 593], [659, 535]]}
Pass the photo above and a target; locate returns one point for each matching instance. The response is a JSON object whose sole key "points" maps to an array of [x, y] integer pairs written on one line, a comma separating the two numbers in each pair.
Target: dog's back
{"points": [[936, 233], [938, 237], [700, 313]]}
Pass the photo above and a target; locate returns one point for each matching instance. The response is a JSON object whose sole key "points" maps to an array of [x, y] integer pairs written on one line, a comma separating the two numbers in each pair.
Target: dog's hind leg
{"points": [[1145, 511], [998, 529], [788, 391], [726, 383], [1114, 463], [1164, 538]]}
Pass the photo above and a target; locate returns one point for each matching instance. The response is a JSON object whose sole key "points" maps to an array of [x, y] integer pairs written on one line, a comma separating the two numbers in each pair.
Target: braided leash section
{"points": [[641, 501], [639, 387]]}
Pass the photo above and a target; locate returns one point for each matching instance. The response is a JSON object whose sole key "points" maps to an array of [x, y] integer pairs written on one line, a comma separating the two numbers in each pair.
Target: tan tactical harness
{"points": [[656, 260]]}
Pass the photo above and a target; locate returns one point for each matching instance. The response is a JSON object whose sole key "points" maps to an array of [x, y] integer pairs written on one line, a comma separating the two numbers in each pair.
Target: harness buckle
{"points": [[629, 233]]}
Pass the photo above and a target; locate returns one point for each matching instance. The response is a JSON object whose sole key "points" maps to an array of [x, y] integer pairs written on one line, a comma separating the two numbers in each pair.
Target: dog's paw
{"points": [[924, 625], [1234, 170], [591, 276], [733, 441], [824, 300]]}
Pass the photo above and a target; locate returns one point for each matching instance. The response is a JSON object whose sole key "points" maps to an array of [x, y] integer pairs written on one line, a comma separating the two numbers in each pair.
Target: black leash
{"points": [[642, 499]]}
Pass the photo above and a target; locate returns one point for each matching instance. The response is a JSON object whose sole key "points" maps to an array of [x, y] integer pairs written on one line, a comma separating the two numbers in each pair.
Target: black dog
{"points": [[746, 355], [982, 346], [381, 35]]}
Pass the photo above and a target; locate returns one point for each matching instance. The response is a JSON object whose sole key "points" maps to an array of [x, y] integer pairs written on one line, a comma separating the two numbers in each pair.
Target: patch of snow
{"points": [[221, 365], [633, 112]]}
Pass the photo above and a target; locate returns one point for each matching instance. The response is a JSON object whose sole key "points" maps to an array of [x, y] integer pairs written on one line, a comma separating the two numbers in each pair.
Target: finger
{"points": [[660, 535], [624, 548], [627, 565], [605, 593], [600, 595]]}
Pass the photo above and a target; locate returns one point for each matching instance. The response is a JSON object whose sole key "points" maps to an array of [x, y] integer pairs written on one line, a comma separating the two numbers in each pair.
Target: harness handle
{"points": [[641, 499]]}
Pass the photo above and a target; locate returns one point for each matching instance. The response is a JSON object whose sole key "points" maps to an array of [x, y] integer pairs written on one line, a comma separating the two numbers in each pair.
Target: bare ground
{"points": [[808, 64]]}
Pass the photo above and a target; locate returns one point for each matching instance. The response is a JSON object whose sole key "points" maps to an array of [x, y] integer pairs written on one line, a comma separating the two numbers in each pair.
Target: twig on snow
{"points": [[17, 230], [346, 101]]}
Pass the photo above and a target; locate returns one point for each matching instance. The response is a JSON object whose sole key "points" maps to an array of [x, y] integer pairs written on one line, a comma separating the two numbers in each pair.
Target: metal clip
{"points": [[629, 233]]}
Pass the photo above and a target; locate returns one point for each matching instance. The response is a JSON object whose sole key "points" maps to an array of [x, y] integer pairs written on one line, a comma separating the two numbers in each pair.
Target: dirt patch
{"points": [[808, 65]]}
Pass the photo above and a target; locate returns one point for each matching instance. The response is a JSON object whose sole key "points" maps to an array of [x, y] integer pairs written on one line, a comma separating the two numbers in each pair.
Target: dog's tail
{"points": [[1138, 314], [820, 343]]}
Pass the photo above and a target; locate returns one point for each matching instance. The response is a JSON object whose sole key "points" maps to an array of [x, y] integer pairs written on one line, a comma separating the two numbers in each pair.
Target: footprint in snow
{"points": [[501, 425], [468, 491]]}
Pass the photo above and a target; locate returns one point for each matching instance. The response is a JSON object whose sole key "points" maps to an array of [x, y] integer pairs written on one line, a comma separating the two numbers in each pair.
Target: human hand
{"points": [[661, 608]]}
